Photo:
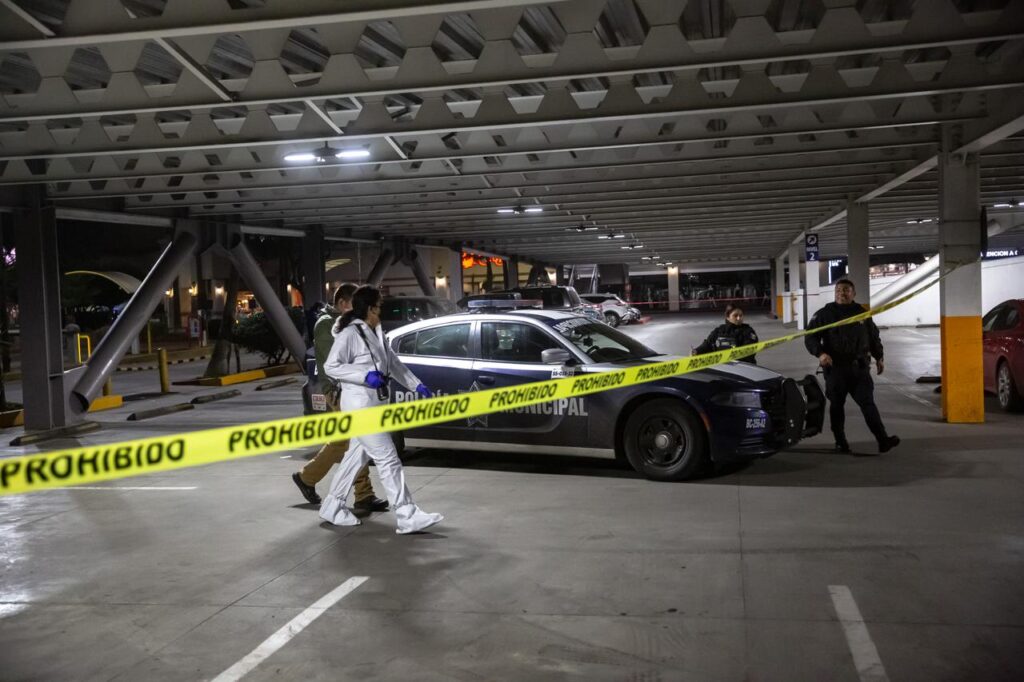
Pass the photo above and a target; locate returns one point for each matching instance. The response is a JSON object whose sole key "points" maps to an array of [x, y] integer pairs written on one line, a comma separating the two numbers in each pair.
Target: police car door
{"points": [[510, 354], [441, 357]]}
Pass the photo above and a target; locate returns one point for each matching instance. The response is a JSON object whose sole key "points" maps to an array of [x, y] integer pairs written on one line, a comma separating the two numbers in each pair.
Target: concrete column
{"points": [[673, 288], [380, 267], [455, 274], [811, 303], [560, 275], [963, 398], [857, 264], [42, 361], [312, 265], [789, 307], [780, 284]]}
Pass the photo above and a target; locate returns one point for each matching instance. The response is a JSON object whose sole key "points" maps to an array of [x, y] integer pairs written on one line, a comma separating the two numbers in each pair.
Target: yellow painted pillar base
{"points": [[778, 306], [963, 391]]}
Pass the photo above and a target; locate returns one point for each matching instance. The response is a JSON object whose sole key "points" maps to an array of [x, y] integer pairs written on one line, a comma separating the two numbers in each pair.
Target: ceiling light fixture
{"points": [[582, 228], [919, 221], [1012, 203], [519, 210], [327, 153], [634, 245], [612, 235]]}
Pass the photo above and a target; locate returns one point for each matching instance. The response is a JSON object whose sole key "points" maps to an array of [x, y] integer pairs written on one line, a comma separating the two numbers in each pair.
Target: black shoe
{"points": [[888, 444], [308, 491], [371, 504], [842, 447]]}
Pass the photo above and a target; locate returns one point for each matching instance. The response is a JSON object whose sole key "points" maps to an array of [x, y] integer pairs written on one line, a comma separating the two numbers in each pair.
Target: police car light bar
{"points": [[504, 303]]}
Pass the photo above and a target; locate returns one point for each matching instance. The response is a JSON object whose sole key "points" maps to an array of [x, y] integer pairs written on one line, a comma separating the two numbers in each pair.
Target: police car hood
{"points": [[742, 372]]}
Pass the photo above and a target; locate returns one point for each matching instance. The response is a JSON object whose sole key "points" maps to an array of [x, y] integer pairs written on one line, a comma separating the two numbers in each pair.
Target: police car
{"points": [[669, 429]]}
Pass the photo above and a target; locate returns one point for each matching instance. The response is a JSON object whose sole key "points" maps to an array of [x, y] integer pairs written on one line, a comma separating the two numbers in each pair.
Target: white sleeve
{"points": [[339, 365], [400, 372]]}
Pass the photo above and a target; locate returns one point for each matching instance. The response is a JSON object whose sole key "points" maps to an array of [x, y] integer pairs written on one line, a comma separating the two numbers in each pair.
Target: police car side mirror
{"points": [[555, 356]]}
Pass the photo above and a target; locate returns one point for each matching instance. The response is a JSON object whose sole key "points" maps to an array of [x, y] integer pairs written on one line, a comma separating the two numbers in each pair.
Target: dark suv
{"points": [[401, 310]]}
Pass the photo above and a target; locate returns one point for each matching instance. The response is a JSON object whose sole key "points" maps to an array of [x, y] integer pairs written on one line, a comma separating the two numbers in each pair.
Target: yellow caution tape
{"points": [[91, 464]]}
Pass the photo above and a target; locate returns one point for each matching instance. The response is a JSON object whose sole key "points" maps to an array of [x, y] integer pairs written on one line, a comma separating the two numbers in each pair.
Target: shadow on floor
{"points": [[518, 463]]}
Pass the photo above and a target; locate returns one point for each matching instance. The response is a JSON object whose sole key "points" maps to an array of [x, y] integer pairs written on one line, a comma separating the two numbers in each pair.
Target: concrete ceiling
{"points": [[704, 130]]}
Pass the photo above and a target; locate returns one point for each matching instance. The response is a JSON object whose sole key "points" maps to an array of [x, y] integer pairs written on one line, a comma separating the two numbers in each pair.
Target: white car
{"points": [[614, 310]]}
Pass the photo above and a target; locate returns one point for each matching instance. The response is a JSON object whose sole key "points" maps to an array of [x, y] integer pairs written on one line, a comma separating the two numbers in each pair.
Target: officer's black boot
{"points": [[888, 443], [841, 445]]}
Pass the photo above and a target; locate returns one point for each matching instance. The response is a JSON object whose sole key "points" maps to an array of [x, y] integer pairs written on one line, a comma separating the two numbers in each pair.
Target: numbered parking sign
{"points": [[811, 247]]}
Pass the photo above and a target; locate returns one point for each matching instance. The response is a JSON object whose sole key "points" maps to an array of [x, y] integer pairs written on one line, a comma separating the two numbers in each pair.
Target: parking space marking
{"points": [[289, 631], [865, 655]]}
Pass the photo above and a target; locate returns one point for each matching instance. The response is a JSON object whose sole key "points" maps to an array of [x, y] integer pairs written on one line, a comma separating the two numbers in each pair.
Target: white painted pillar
{"points": [[857, 250], [792, 296], [811, 303], [963, 398], [780, 284], [673, 289]]}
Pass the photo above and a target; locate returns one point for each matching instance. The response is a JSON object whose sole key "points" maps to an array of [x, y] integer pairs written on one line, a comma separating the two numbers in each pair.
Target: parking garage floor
{"points": [[805, 566]]}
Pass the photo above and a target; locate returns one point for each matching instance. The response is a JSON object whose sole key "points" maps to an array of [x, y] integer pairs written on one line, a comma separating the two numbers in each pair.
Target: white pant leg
{"points": [[333, 509], [409, 517]]}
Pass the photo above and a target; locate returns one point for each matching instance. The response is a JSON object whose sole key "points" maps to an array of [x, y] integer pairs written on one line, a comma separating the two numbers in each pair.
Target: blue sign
{"points": [[811, 247]]}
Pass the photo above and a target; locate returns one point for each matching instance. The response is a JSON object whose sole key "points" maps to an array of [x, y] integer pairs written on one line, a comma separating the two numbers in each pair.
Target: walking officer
{"points": [[845, 354]]}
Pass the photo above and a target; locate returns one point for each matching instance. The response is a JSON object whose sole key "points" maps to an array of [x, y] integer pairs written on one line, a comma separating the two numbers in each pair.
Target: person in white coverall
{"points": [[362, 360]]}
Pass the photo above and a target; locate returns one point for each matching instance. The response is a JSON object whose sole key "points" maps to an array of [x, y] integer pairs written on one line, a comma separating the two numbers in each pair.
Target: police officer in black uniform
{"points": [[845, 354], [730, 335]]}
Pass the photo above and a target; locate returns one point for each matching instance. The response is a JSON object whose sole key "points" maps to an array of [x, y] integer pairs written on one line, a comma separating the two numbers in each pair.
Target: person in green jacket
{"points": [[331, 453]]}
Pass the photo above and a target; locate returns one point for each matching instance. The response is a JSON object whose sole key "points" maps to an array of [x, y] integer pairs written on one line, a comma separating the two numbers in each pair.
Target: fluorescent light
{"points": [[1003, 204], [618, 236], [300, 156], [357, 153], [533, 209], [506, 210]]}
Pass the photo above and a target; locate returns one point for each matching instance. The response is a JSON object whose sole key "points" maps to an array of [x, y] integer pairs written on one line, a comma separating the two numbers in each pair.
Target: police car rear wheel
{"points": [[665, 441]]}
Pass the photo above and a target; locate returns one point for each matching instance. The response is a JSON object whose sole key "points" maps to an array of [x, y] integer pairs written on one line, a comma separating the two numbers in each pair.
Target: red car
{"points": [[1003, 353]]}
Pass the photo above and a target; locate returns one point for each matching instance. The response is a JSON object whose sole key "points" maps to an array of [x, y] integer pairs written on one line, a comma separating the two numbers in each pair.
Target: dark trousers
{"points": [[852, 380]]}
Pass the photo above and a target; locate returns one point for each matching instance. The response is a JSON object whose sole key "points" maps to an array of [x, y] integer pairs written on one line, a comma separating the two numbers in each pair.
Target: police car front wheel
{"points": [[665, 441]]}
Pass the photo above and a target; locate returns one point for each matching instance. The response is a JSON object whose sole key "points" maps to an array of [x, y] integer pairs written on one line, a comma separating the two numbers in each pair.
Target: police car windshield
{"points": [[602, 343]]}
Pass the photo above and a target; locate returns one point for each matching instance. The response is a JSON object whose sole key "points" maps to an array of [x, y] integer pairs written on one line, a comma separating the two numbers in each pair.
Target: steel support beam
{"points": [[380, 268], [277, 314], [419, 270], [131, 321]]}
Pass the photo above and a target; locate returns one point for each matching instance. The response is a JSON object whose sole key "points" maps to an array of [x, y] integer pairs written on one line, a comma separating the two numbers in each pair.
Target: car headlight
{"points": [[750, 399]]}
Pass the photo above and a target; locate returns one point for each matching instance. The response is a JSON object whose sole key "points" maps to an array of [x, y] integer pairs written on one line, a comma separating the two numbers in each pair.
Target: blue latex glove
{"points": [[375, 379], [423, 391]]}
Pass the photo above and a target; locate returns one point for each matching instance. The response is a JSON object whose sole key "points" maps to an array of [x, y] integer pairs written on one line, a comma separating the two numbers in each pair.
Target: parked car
{"points": [[614, 310], [1002, 331], [667, 429], [401, 310]]}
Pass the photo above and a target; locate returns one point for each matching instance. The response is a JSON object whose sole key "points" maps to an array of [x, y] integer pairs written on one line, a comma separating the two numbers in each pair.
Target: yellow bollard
{"points": [[149, 336], [108, 388], [165, 380]]}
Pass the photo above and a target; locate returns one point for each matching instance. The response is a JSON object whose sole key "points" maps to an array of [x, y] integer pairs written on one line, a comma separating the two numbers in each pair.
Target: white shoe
{"points": [[419, 521], [336, 513]]}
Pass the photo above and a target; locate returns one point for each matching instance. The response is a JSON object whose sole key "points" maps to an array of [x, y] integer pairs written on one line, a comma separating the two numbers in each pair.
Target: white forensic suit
{"points": [[349, 362]]}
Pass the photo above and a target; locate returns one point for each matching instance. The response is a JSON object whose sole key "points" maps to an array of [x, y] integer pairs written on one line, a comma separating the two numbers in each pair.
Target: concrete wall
{"points": [[1000, 280]]}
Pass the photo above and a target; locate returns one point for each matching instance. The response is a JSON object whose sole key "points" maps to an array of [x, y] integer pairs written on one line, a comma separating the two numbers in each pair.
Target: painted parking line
{"points": [[865, 655], [289, 631], [130, 487]]}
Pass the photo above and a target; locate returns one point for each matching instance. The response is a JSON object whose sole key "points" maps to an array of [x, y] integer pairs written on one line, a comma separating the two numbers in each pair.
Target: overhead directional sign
{"points": [[811, 247]]}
